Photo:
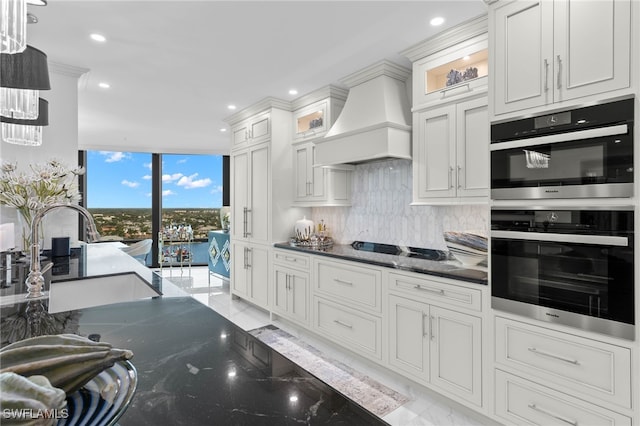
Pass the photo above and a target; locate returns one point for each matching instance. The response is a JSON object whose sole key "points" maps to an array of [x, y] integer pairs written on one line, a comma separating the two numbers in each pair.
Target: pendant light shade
{"points": [[13, 26], [25, 132], [22, 76]]}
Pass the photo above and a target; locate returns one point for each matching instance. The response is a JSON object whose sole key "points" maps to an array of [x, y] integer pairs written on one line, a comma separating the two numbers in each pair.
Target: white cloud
{"points": [[171, 178], [190, 182], [148, 165], [216, 189], [114, 157], [182, 161], [130, 184], [146, 177], [167, 192]]}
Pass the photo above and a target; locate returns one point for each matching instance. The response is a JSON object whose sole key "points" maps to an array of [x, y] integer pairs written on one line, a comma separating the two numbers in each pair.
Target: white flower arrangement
{"points": [[48, 183]]}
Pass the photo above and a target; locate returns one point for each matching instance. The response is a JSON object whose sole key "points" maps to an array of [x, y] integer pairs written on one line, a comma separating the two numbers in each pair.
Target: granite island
{"points": [[194, 366]]}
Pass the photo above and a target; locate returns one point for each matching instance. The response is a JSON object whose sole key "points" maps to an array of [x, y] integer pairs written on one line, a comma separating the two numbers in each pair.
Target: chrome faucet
{"points": [[35, 279]]}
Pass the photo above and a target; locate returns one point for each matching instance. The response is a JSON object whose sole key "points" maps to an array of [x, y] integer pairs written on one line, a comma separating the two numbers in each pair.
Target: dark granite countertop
{"points": [[197, 368], [446, 269], [184, 353]]}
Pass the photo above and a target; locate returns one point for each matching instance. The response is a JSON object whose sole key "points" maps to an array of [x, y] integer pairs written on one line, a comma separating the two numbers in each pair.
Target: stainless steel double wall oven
{"points": [[569, 265]]}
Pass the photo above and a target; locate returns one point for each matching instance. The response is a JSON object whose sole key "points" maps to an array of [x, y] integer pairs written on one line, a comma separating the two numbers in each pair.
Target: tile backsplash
{"points": [[381, 211]]}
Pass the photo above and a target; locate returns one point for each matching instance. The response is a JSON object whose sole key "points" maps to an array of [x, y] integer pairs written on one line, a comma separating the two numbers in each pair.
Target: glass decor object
{"points": [[19, 103], [310, 121], [22, 76], [25, 132], [13, 26], [457, 71]]}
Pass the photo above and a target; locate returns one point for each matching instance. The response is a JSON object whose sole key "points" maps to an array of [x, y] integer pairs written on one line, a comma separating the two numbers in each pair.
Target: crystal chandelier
{"points": [[22, 76], [25, 132], [13, 26]]}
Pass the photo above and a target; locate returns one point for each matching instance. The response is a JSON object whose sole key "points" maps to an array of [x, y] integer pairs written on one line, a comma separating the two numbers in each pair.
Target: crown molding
{"points": [[468, 29], [384, 67], [66, 69], [329, 91], [260, 106]]}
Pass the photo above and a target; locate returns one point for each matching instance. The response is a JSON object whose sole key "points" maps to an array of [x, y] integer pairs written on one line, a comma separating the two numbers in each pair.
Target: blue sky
{"points": [[123, 179]]}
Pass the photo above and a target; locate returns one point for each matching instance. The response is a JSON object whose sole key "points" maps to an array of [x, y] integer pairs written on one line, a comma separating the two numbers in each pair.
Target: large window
{"points": [[119, 194]]}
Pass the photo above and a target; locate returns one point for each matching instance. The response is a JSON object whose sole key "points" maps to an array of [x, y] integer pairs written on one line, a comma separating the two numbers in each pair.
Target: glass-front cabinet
{"points": [[315, 113], [450, 66]]}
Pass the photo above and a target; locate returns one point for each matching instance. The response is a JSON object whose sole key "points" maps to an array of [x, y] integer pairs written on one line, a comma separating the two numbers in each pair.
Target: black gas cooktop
{"points": [[421, 253]]}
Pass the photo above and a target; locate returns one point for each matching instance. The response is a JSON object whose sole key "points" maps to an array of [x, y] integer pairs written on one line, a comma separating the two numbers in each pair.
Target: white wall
{"points": [[381, 211], [60, 141]]}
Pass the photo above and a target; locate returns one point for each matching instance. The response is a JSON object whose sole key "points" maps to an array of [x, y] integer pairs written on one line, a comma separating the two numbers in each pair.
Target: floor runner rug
{"points": [[370, 394]]}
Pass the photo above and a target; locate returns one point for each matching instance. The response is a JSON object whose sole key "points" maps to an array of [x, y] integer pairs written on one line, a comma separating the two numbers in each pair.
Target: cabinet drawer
{"points": [[522, 402], [436, 291], [356, 330], [583, 366], [293, 260], [355, 285]]}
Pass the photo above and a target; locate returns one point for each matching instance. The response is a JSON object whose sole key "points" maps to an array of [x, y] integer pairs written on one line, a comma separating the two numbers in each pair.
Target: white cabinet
{"points": [[250, 193], [315, 112], [291, 288], [521, 402], [261, 194], [546, 52], [313, 116], [436, 346], [581, 367], [253, 130], [451, 153], [450, 65], [347, 305], [319, 186], [250, 272], [291, 294]]}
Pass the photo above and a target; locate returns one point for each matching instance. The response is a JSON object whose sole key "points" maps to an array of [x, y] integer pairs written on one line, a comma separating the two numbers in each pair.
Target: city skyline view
{"points": [[123, 180]]}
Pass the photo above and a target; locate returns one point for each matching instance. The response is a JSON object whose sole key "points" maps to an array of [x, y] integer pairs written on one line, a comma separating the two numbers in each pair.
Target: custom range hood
{"points": [[375, 121]]}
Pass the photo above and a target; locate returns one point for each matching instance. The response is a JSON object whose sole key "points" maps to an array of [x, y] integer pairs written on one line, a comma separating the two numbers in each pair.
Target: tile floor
{"points": [[425, 408]]}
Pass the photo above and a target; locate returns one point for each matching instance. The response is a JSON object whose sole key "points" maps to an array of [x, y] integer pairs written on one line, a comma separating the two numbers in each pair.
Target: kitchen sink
{"points": [[97, 291]]}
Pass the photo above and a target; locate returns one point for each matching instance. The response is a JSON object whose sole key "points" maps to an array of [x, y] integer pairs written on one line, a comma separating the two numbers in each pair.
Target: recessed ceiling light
{"points": [[231, 107], [223, 130], [438, 20], [98, 37], [104, 85], [37, 2], [293, 92]]}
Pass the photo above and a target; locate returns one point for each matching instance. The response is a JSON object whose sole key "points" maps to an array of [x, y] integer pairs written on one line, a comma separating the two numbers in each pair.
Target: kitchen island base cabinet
{"points": [[437, 347], [250, 273]]}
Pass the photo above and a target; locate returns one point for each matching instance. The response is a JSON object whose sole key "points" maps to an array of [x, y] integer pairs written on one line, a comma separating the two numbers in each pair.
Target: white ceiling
{"points": [[174, 66]]}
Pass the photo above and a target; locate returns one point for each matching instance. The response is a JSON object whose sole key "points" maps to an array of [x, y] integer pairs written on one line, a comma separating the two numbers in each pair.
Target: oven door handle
{"points": [[603, 240], [620, 129]]}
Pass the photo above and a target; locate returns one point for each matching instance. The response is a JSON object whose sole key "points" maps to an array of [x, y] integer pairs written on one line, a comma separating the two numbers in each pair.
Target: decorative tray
{"points": [[312, 244], [104, 399]]}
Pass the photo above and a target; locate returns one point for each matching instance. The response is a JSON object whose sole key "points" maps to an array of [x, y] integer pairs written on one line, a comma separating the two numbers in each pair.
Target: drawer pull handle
{"points": [[290, 259], [550, 355], [344, 324], [550, 414], [339, 281], [430, 290]]}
